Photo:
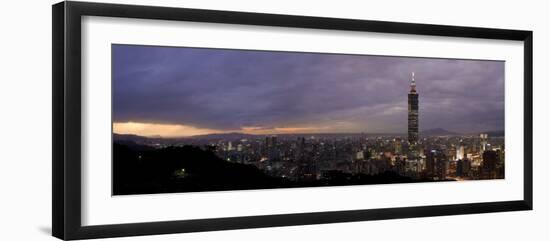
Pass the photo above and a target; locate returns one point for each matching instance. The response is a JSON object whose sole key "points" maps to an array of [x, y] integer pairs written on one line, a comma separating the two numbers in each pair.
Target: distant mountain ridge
{"points": [[132, 137], [231, 135], [494, 133], [444, 132], [239, 135], [438, 132]]}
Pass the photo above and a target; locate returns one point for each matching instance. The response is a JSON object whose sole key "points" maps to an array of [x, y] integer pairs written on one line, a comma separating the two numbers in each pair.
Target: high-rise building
{"points": [[398, 147], [300, 149], [441, 168], [430, 163], [489, 165], [271, 147], [413, 119], [463, 167], [359, 155], [436, 164], [483, 142], [229, 146], [460, 152]]}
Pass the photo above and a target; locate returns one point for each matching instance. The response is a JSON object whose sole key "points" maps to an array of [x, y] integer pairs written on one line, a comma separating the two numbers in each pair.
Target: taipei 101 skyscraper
{"points": [[413, 118]]}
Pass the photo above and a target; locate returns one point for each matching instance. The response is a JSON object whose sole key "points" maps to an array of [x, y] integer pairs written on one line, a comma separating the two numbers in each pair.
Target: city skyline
{"points": [[178, 92], [278, 93]]}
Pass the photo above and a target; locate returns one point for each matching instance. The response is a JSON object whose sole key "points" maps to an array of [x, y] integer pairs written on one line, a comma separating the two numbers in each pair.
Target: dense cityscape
{"points": [[437, 158], [297, 157], [435, 155]]}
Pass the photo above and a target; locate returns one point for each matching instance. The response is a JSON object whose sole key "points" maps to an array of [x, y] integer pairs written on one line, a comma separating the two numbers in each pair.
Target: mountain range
{"points": [[238, 135]]}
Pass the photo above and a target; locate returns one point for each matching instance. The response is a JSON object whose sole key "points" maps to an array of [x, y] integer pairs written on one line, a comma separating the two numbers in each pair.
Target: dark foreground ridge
{"points": [[144, 170]]}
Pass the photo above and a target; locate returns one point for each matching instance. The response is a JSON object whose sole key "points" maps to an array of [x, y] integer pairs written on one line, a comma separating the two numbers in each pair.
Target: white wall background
{"points": [[25, 107]]}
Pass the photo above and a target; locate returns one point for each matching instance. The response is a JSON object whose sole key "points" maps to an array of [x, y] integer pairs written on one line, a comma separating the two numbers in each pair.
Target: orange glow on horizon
{"points": [[177, 130], [163, 130]]}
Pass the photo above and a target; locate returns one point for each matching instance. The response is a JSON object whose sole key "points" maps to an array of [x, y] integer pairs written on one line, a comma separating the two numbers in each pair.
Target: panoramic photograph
{"points": [[187, 119]]}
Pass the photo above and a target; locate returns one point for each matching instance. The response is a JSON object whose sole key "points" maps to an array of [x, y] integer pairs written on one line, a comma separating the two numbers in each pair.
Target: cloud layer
{"points": [[228, 90]]}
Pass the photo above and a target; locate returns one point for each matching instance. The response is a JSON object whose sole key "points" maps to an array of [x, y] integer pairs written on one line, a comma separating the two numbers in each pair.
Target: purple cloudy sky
{"points": [[235, 89]]}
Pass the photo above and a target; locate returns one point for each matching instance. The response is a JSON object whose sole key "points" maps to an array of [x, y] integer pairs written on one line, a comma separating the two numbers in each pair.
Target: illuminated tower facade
{"points": [[413, 118], [483, 142]]}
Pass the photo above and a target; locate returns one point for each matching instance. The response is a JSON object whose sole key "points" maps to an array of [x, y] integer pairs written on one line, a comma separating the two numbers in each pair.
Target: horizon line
{"points": [[294, 134]]}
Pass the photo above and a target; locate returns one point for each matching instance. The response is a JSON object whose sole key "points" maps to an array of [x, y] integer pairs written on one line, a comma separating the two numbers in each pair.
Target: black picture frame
{"points": [[66, 128]]}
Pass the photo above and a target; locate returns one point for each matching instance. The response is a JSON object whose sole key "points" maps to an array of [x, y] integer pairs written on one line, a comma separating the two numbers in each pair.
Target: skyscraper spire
{"points": [[413, 83]]}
